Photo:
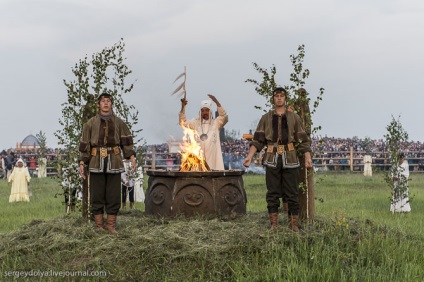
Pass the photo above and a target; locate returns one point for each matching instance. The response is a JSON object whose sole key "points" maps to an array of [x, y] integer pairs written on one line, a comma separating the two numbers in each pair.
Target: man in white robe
{"points": [[208, 129]]}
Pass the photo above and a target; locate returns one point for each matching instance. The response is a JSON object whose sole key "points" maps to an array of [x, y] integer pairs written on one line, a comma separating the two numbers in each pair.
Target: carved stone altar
{"points": [[212, 193]]}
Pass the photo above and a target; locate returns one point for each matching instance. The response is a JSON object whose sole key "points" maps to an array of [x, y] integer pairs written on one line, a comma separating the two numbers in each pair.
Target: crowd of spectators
{"points": [[328, 151], [29, 156]]}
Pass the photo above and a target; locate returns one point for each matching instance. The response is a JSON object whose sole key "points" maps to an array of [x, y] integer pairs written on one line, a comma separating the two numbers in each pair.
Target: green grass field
{"points": [[354, 238]]}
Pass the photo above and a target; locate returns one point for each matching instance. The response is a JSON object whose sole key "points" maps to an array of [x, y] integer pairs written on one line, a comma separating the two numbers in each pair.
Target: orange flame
{"points": [[192, 154]]}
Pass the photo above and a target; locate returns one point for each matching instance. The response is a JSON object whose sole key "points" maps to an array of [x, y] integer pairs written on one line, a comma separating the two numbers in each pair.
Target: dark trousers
{"points": [[127, 190], [105, 193], [282, 183]]}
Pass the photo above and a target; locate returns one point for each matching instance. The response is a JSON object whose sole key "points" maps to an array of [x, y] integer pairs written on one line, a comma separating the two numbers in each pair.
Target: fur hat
{"points": [[106, 95], [206, 104]]}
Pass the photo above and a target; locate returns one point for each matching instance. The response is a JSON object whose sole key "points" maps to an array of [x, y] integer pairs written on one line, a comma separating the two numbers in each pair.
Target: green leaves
{"points": [[397, 140], [266, 86]]}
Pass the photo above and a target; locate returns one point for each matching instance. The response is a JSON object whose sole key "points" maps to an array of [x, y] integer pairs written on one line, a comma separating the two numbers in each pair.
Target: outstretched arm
{"points": [[213, 98], [183, 104]]}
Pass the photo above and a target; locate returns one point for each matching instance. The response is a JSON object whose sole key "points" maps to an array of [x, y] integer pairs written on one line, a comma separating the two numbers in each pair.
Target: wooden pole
{"points": [[154, 158], [306, 192]]}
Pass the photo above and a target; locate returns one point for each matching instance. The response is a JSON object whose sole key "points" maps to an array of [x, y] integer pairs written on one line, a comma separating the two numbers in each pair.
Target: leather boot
{"points": [[293, 223], [273, 218], [98, 219], [73, 208], [124, 205], [286, 208], [111, 224], [131, 206]]}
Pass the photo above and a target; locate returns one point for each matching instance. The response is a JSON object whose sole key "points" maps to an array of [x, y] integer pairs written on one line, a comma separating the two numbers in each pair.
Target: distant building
{"points": [[29, 143]]}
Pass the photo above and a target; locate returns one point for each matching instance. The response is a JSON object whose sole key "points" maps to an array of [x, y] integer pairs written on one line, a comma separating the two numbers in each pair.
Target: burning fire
{"points": [[192, 155]]}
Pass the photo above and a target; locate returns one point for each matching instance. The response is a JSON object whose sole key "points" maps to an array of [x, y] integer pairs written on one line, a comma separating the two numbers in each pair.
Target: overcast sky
{"points": [[368, 55]]}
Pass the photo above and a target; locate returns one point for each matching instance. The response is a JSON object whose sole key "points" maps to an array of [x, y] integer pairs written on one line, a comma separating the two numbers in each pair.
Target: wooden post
{"points": [[351, 158], [306, 192], [59, 167], [306, 181], [85, 195], [154, 158]]}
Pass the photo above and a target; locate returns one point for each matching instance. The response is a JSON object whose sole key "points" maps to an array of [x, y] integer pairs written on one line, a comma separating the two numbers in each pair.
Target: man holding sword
{"points": [[208, 129]]}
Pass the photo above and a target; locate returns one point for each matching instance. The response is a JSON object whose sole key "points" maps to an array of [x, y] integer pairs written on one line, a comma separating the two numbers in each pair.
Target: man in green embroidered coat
{"points": [[283, 135], [105, 141]]}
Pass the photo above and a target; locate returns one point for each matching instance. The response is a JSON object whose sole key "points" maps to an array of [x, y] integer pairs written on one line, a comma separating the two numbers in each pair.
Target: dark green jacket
{"points": [[266, 135], [112, 134]]}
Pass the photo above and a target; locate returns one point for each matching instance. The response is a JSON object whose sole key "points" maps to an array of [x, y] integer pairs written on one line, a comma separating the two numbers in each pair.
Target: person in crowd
{"points": [[400, 199], [32, 163], [9, 161], [105, 141], [3, 163], [208, 129], [20, 179], [282, 133], [127, 185]]}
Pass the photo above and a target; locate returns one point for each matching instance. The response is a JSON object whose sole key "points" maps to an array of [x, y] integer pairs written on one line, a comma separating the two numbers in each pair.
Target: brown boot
{"points": [[293, 223], [73, 208], [286, 208], [273, 218], [98, 219], [131, 206], [124, 205], [111, 224]]}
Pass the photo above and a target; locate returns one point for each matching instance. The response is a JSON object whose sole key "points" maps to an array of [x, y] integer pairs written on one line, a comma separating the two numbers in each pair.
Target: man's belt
{"points": [[280, 149], [104, 151]]}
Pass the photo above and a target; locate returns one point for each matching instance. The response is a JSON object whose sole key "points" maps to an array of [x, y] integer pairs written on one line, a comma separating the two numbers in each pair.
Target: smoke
{"points": [[236, 162]]}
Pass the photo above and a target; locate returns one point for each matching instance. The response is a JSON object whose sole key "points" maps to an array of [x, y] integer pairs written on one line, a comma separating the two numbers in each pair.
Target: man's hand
{"points": [[247, 161], [308, 160], [81, 171], [214, 100], [183, 104], [133, 164]]}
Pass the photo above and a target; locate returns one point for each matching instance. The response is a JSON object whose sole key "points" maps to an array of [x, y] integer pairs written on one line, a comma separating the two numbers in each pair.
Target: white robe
{"points": [[20, 179], [400, 203], [211, 147], [138, 186], [42, 167], [367, 165]]}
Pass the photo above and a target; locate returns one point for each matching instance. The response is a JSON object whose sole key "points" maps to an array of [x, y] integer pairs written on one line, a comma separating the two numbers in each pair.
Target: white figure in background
{"points": [[42, 167], [138, 186], [72, 192], [127, 178], [367, 165], [20, 179], [400, 199]]}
